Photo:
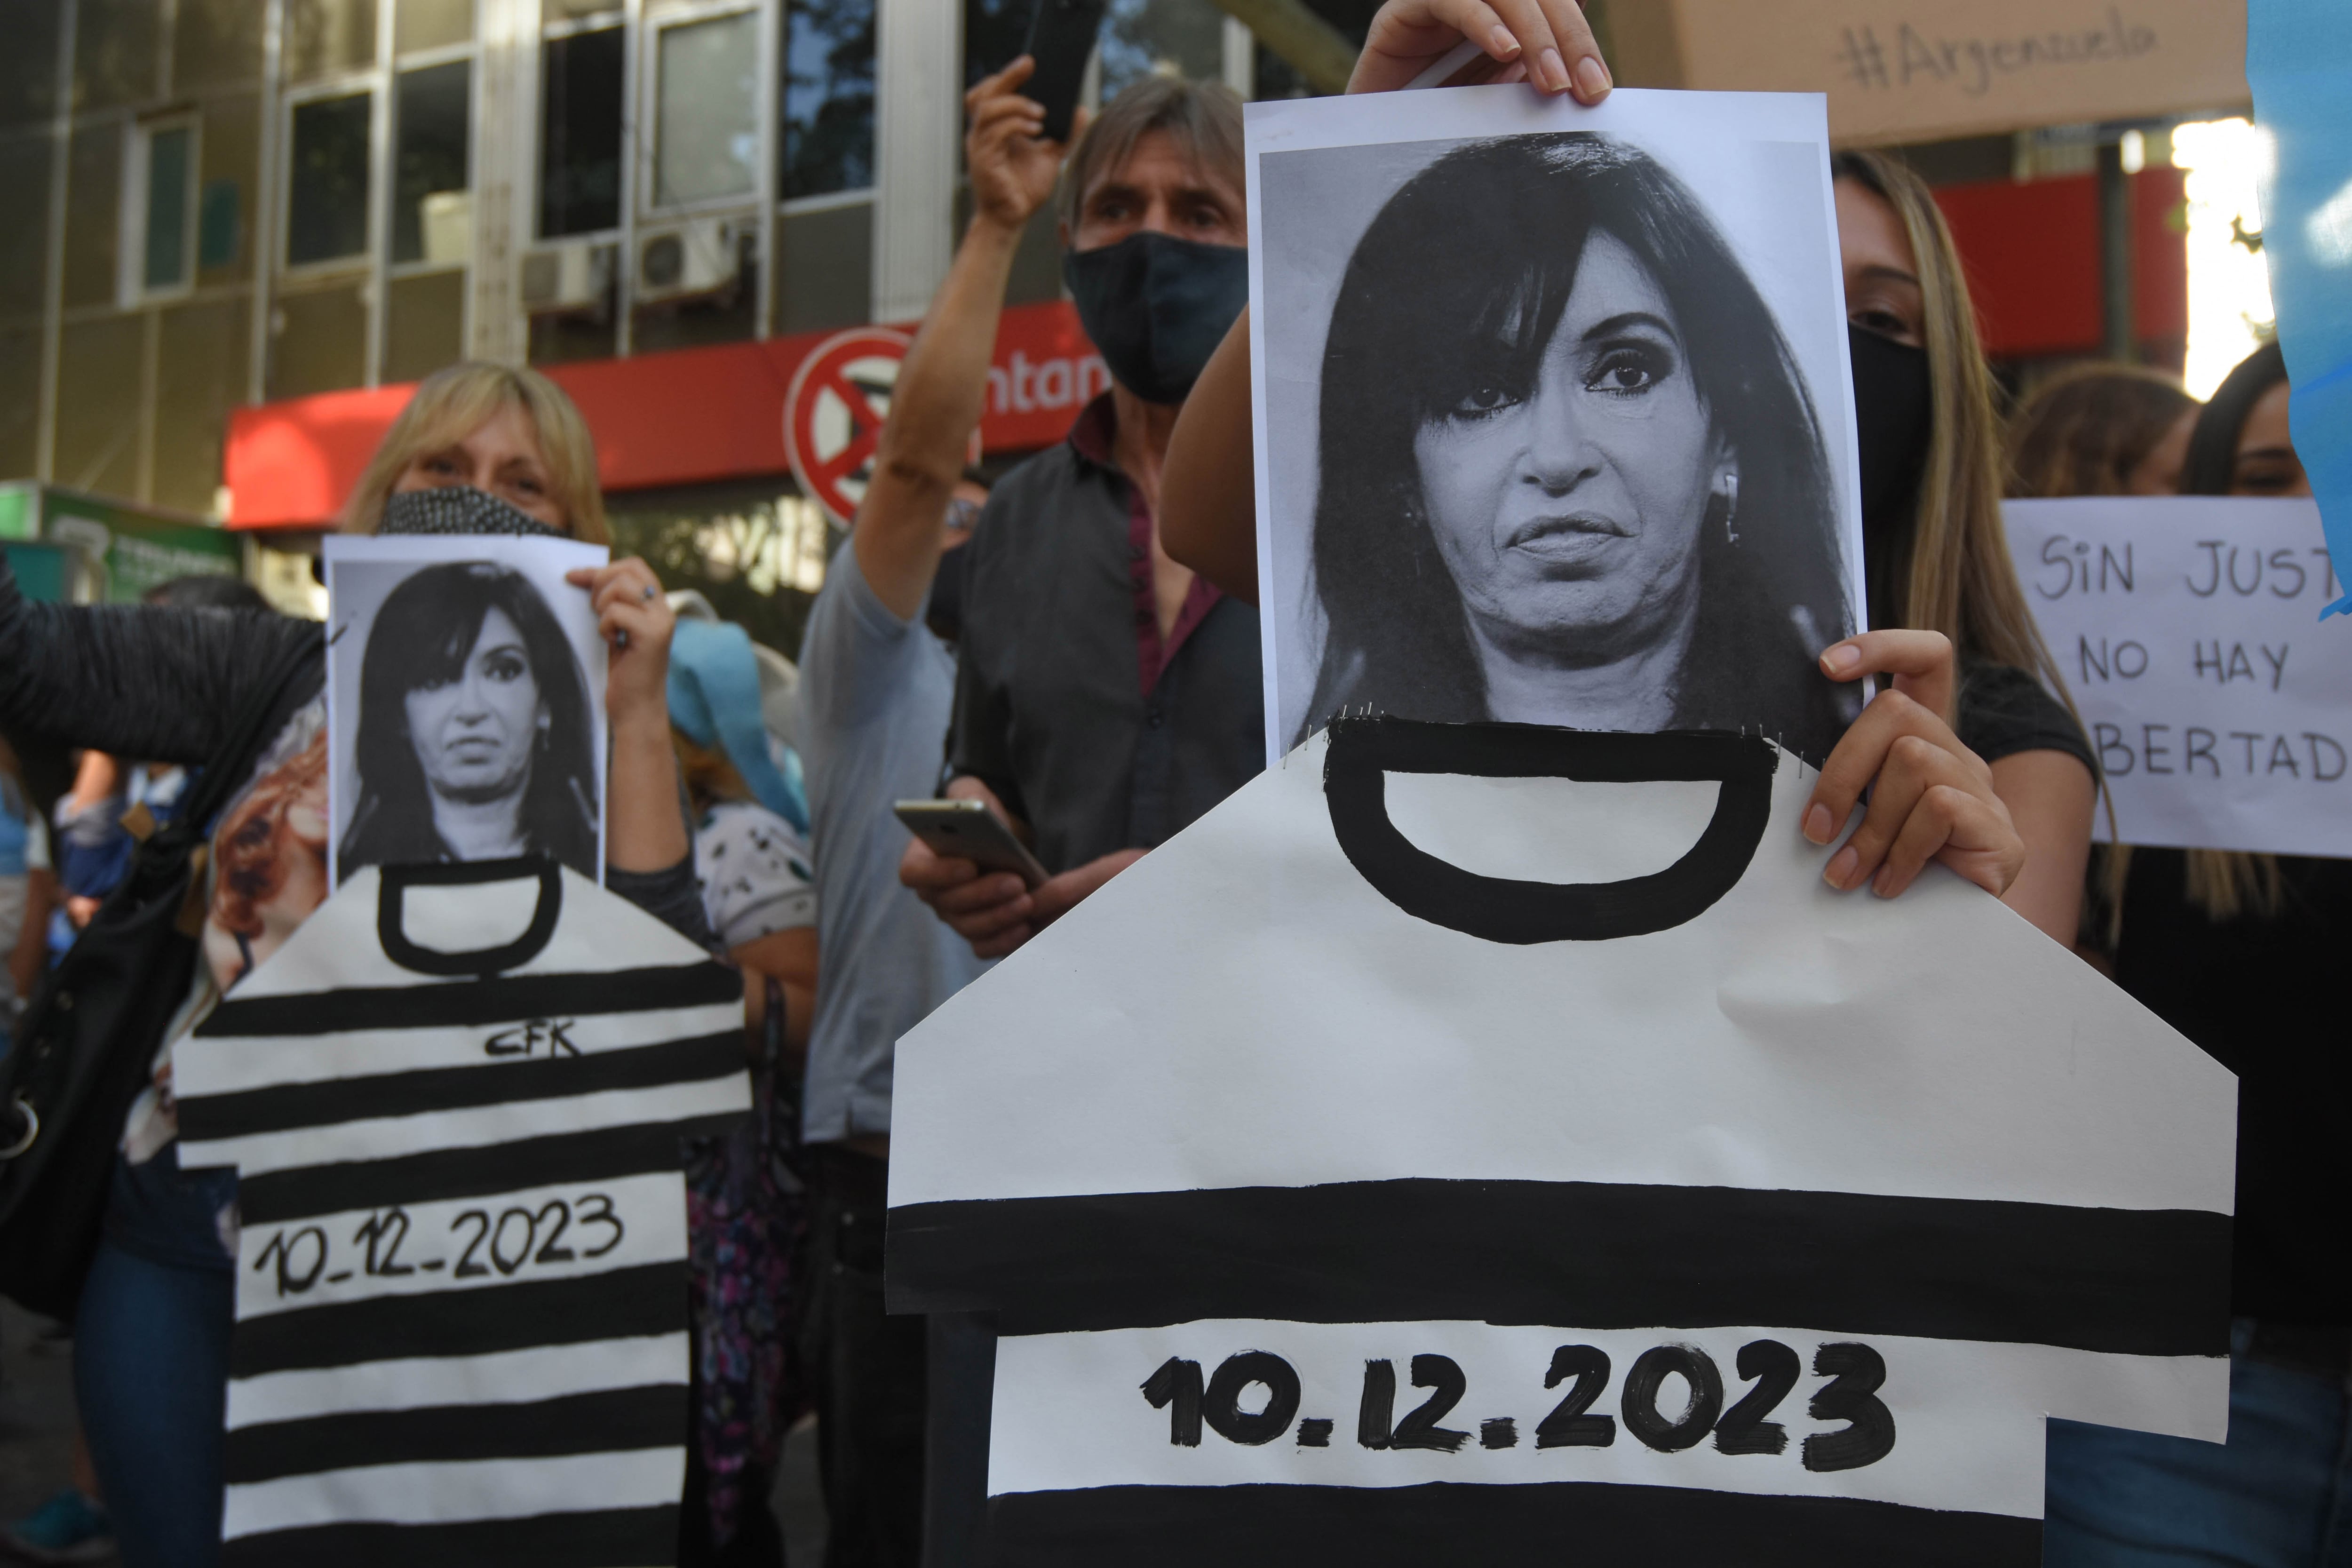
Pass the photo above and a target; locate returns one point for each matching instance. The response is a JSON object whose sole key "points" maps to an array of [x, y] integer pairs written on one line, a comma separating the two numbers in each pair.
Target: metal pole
{"points": [[2117, 315]]}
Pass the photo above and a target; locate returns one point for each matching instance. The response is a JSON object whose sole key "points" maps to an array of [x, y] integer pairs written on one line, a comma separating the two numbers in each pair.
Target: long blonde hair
{"points": [[1959, 579], [450, 405]]}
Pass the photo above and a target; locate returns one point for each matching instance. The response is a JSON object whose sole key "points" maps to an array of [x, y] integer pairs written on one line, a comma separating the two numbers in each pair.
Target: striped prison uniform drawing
{"points": [[1574, 1178], [461, 1305]]}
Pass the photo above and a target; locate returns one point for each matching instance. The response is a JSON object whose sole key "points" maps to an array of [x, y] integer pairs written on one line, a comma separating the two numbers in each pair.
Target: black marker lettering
{"points": [[2281, 562], [1221, 1407], [2245, 589], [1419, 1428], [1176, 1388], [2249, 738], [1774, 1368], [2212, 547], [1856, 1375], [1502, 1432], [2120, 570], [1376, 1413], [1568, 1425], [2277, 661], [1639, 1403], [1315, 1432], [2318, 771], [2115, 759], [2151, 750], [2201, 750], [2281, 756]]}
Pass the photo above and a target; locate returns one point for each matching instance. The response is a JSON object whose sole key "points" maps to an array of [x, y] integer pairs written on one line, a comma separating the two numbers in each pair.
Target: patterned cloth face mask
{"points": [[459, 509]]}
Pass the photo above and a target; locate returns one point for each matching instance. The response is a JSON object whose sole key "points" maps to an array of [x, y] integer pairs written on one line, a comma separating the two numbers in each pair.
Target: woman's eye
{"points": [[1626, 371], [1885, 323], [1483, 397], [505, 667]]}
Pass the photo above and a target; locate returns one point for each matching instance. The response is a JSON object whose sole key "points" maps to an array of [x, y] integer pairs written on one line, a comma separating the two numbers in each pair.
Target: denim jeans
{"points": [[151, 1361], [2277, 1495]]}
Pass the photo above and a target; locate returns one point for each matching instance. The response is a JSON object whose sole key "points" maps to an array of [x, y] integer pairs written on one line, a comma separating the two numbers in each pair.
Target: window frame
{"points": [[614, 19], [371, 85], [648, 100], [428, 59], [131, 287]]}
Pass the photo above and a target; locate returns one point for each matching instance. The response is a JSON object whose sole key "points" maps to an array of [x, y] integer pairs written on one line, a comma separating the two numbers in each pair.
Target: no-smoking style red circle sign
{"points": [[833, 413]]}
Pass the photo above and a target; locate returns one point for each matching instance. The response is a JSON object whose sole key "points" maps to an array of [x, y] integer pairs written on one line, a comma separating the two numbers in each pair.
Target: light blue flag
{"points": [[2299, 61]]}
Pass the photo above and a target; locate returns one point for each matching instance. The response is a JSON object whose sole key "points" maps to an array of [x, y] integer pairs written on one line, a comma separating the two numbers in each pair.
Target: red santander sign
{"points": [[681, 418]]}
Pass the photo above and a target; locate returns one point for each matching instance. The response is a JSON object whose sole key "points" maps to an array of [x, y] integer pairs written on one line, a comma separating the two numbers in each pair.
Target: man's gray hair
{"points": [[1202, 118]]}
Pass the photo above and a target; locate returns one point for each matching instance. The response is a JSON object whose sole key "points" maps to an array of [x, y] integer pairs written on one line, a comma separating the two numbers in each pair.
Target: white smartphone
{"points": [[968, 830]]}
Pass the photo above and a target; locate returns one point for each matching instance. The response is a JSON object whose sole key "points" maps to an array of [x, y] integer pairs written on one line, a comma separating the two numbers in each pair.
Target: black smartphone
{"points": [[1061, 39]]}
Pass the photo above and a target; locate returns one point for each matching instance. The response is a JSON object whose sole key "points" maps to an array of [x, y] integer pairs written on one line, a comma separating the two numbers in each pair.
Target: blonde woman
{"points": [[478, 449]]}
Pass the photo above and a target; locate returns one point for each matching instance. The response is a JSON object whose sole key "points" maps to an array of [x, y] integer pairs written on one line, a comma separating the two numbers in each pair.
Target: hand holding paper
{"points": [[1547, 43], [1931, 798]]}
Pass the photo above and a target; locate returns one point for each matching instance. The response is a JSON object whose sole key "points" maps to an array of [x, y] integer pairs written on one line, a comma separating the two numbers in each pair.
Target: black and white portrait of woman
{"points": [[1565, 467], [473, 728]]}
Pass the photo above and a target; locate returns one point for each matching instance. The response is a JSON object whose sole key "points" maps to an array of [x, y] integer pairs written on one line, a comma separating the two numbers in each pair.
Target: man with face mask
{"points": [[1106, 697]]}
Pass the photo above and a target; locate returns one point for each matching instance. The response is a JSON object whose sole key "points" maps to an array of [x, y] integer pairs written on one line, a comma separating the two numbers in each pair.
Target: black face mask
{"points": [[944, 612], [1893, 422], [1157, 307]]}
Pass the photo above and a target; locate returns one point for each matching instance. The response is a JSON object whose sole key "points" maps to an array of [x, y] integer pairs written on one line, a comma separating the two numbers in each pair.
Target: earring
{"points": [[1723, 506]]}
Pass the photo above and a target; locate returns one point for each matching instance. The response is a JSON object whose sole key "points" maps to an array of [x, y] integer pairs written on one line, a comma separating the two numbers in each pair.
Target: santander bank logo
{"points": [[1023, 386]]}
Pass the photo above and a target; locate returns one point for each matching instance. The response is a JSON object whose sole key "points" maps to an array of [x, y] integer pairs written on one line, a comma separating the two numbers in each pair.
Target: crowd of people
{"points": [[1077, 645]]}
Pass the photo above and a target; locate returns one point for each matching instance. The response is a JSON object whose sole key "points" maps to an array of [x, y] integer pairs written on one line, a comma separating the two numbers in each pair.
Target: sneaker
{"points": [[68, 1528]]}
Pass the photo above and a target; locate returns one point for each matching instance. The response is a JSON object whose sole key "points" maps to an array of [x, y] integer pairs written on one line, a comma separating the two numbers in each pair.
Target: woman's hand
{"points": [[635, 623], [1547, 43], [645, 826], [1931, 798]]}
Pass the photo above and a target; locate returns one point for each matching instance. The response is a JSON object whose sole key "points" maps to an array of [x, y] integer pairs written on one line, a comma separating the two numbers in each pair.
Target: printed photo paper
{"points": [[465, 703], [1554, 419]]}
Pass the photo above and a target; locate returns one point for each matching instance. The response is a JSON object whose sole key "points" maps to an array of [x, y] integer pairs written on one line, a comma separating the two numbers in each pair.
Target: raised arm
{"points": [[943, 385], [137, 681], [1208, 500]]}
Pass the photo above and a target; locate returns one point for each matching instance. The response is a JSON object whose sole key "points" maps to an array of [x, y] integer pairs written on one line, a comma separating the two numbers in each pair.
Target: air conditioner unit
{"points": [[702, 257], [575, 275]]}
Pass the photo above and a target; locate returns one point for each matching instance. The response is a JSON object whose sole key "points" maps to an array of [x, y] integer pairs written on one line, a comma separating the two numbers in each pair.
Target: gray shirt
{"points": [[874, 697]]}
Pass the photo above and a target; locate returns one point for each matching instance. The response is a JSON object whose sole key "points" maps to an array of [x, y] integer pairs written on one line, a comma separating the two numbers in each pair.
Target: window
{"points": [[580, 134], [162, 185], [432, 209], [1182, 38], [705, 113], [828, 98], [327, 191]]}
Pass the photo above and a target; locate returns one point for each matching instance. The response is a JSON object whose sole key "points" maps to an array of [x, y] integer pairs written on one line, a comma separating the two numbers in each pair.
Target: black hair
{"points": [[421, 637], [207, 591], [1482, 247], [2211, 466]]}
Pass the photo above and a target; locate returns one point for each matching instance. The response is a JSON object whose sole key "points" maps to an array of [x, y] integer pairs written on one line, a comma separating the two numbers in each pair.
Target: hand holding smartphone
{"points": [[968, 830], [1061, 40]]}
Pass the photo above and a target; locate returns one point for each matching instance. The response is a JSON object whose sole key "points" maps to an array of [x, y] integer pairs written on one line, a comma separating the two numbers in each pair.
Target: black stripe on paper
{"points": [[489, 1081], [604, 1155], [473, 1004], [616, 1538], [611, 1420], [1586, 1523], [1577, 1254], [620, 1303]]}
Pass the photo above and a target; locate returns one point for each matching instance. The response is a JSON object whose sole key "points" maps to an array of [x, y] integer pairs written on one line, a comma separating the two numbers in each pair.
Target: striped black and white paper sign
{"points": [[1497, 1144], [455, 1100]]}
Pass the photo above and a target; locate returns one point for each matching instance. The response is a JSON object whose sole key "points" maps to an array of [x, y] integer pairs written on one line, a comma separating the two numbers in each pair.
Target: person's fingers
{"points": [[1855, 761], [1587, 73], [1003, 942], [1547, 67], [1914, 766], [990, 892], [1969, 833], [1920, 662], [1480, 22], [1001, 117]]}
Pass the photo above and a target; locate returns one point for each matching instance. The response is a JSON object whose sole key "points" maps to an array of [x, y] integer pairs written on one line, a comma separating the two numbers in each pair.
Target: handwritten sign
{"points": [[2185, 628], [1910, 70]]}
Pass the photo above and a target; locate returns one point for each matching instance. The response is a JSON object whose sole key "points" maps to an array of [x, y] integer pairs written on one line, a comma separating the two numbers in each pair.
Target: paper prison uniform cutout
{"points": [[1347, 1194], [461, 1309]]}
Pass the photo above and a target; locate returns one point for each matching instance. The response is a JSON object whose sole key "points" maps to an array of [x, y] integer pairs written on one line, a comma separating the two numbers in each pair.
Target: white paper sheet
{"points": [[1321, 169], [2187, 629], [561, 786]]}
